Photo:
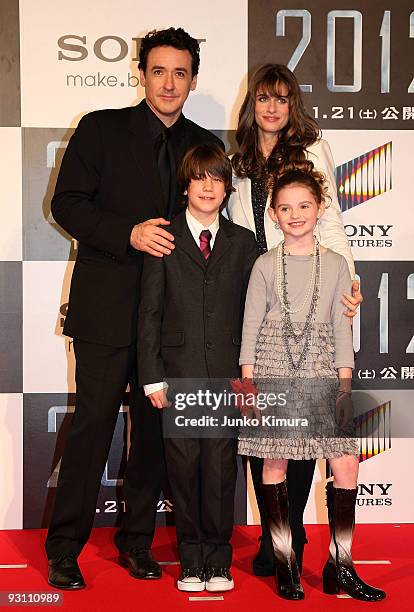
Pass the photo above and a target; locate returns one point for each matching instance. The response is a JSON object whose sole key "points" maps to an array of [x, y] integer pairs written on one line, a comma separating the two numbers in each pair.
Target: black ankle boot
{"points": [[339, 572], [277, 514], [264, 562]]}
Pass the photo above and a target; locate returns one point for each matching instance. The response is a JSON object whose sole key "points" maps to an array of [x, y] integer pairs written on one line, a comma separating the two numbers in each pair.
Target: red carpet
{"points": [[110, 587]]}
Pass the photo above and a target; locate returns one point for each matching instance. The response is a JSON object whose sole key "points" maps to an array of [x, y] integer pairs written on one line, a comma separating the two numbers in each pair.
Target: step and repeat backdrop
{"points": [[59, 61]]}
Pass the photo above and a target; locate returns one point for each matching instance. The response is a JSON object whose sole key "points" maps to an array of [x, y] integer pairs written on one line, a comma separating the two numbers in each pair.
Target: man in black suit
{"points": [[115, 194]]}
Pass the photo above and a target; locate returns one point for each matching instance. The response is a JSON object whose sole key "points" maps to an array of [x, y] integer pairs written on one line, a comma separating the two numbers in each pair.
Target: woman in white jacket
{"points": [[276, 134]]}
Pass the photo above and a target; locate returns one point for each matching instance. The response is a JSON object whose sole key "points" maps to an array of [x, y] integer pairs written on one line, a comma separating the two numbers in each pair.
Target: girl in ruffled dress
{"points": [[294, 328]]}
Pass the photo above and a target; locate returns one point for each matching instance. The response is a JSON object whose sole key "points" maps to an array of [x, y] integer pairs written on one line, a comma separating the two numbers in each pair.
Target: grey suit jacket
{"points": [[191, 311]]}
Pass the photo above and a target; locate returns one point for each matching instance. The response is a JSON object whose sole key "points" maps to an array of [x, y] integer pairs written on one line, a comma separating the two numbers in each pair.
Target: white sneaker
{"points": [[192, 580], [218, 579]]}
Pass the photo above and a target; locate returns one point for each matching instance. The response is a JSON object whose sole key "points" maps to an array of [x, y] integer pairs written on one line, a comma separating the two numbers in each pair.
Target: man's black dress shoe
{"points": [[141, 564], [64, 573]]}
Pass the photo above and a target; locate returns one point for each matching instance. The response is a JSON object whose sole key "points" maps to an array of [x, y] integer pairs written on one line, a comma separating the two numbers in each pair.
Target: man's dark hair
{"points": [[173, 37]]}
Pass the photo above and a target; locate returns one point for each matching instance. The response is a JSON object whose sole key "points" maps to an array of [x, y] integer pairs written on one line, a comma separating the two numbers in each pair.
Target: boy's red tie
{"points": [[205, 237]]}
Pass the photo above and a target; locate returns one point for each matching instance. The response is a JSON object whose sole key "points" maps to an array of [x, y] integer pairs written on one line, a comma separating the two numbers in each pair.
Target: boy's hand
{"points": [[353, 301], [151, 238], [159, 399]]}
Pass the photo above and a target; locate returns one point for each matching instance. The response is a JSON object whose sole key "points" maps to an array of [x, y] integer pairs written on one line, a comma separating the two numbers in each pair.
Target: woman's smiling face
{"points": [[272, 109]]}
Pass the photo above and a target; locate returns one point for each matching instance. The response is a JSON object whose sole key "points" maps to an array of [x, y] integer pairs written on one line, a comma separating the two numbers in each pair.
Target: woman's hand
{"points": [[344, 410], [353, 301]]}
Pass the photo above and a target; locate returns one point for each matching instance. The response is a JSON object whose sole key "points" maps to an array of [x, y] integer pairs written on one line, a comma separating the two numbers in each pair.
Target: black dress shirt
{"points": [[175, 136]]}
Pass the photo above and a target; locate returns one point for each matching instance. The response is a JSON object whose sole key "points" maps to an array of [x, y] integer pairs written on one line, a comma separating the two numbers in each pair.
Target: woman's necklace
{"points": [[312, 293]]}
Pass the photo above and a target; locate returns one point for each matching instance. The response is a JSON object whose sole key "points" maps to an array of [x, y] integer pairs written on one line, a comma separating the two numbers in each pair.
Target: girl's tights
{"points": [[344, 469]]}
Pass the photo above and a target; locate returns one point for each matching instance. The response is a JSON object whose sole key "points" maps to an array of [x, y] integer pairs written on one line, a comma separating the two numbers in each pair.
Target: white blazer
{"points": [[330, 228]]}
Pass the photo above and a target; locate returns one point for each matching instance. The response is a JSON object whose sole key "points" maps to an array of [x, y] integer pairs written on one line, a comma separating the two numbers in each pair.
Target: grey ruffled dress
{"points": [[311, 391]]}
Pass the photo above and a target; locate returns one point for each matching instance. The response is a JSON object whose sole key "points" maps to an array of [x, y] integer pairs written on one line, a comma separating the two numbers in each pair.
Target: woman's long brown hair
{"points": [[300, 132]]}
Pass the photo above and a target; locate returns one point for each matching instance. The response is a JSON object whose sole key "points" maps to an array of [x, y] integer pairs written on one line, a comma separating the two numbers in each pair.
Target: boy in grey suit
{"points": [[190, 320]]}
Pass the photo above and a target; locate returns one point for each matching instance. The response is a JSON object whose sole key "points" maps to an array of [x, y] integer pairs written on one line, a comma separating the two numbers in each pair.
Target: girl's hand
{"points": [[159, 399], [246, 392], [353, 301]]}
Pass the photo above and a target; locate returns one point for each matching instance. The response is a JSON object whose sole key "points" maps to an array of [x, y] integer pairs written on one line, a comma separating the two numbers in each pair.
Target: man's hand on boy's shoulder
{"points": [[151, 238]]}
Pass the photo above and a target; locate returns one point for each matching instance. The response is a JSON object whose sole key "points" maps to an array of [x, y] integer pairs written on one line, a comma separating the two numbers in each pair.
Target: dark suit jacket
{"points": [[191, 311], [107, 183]]}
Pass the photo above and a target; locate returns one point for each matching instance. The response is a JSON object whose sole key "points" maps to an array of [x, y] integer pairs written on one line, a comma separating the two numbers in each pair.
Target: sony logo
{"points": [[374, 488], [367, 230], [109, 48]]}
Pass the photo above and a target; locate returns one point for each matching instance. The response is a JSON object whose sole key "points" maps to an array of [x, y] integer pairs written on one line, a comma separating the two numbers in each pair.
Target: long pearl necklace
{"points": [[281, 280], [313, 292]]}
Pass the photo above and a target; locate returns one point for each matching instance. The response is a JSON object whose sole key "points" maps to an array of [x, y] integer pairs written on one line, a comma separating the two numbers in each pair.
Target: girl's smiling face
{"points": [[296, 210]]}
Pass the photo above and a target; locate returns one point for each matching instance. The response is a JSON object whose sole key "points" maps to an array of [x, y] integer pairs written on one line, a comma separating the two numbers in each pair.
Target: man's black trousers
{"points": [[102, 374]]}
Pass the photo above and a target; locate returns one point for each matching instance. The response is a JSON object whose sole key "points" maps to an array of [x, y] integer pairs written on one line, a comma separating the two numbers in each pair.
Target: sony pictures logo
{"points": [[364, 177], [374, 494], [369, 236]]}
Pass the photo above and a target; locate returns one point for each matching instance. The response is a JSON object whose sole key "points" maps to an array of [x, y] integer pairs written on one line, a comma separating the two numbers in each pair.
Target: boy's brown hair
{"points": [[202, 160]]}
